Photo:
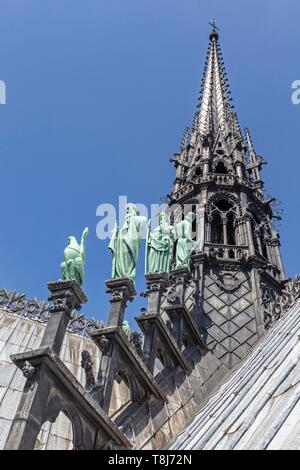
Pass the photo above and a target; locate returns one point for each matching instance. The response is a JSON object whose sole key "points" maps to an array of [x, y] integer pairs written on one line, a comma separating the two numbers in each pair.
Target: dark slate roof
{"points": [[258, 406]]}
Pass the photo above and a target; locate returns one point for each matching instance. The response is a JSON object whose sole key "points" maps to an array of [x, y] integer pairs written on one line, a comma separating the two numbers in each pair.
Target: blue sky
{"points": [[98, 94]]}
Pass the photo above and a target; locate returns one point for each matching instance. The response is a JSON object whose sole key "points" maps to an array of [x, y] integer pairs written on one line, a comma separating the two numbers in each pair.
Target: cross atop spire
{"points": [[213, 24], [214, 32]]}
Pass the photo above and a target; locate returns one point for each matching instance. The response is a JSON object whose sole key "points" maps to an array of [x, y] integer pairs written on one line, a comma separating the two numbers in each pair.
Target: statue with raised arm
{"points": [[159, 246], [125, 244], [185, 242], [74, 258]]}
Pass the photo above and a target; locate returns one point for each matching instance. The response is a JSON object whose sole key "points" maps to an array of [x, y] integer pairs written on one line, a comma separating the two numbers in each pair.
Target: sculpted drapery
{"points": [[159, 247], [125, 244], [185, 243]]}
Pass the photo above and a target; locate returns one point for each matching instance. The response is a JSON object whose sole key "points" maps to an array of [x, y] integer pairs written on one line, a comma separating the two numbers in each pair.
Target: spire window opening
{"points": [[221, 168], [222, 230], [217, 229]]}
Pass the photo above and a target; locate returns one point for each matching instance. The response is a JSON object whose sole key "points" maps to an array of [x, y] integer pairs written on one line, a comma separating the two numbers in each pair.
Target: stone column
{"points": [[121, 291], [67, 296], [205, 160], [279, 263], [239, 170], [224, 223], [269, 252], [156, 285], [258, 241], [178, 279], [250, 237]]}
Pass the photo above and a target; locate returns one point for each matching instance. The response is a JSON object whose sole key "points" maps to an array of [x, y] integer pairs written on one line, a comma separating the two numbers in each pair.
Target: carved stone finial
{"points": [[66, 295], [185, 139]]}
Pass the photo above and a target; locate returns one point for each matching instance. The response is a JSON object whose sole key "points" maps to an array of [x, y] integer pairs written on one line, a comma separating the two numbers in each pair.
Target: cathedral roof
{"points": [[258, 406]]}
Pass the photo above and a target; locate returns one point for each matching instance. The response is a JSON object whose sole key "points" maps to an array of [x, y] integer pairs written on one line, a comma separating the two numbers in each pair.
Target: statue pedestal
{"points": [[66, 296], [178, 280], [156, 285], [121, 291], [118, 355], [185, 329], [158, 341]]}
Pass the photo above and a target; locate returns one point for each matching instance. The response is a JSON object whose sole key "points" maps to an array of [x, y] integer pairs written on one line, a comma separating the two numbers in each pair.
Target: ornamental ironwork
{"points": [[39, 310]]}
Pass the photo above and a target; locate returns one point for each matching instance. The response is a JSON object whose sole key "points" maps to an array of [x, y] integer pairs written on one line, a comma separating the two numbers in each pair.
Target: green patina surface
{"points": [[74, 258], [159, 246], [125, 244], [185, 243]]}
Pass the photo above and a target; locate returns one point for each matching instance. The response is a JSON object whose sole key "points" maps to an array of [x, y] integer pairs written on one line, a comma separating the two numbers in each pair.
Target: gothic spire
{"points": [[215, 111]]}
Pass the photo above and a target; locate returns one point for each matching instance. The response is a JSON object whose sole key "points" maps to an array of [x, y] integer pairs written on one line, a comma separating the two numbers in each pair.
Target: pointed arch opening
{"points": [[217, 229], [222, 228]]}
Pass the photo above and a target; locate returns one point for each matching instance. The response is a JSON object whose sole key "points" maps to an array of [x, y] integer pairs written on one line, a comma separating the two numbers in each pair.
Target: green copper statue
{"points": [[125, 244], [159, 246], [73, 265], [126, 328], [185, 243]]}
